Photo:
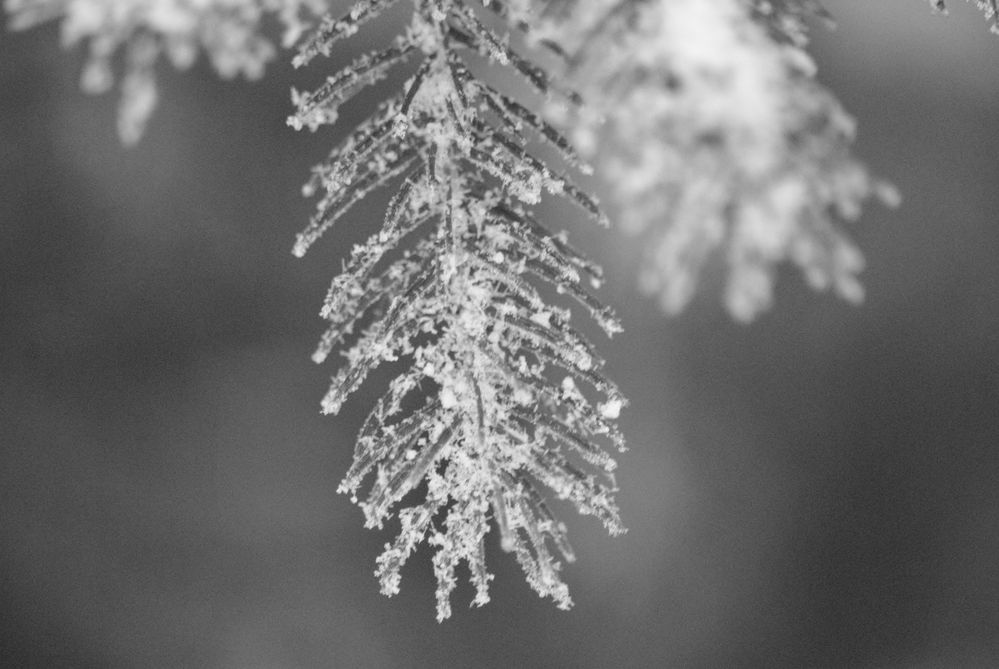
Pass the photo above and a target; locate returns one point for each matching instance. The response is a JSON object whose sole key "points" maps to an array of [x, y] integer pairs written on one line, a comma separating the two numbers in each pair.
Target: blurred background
{"points": [[818, 489]]}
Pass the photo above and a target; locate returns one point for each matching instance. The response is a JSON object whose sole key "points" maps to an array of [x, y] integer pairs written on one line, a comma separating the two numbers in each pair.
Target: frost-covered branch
{"points": [[718, 142], [499, 397], [229, 32]]}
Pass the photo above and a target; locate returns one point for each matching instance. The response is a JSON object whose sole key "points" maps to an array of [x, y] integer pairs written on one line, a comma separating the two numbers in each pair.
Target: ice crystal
{"points": [[229, 31], [498, 397], [720, 141]]}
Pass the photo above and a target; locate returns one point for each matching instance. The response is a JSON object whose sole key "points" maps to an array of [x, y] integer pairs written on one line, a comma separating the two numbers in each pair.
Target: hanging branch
{"points": [[499, 397]]}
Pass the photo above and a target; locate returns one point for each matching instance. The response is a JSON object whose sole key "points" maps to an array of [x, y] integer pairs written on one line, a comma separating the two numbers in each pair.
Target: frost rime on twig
{"points": [[229, 32], [719, 143], [510, 398]]}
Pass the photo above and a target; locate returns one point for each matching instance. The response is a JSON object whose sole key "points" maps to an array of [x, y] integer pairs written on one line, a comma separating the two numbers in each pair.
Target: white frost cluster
{"points": [[229, 32], [719, 143], [498, 398]]}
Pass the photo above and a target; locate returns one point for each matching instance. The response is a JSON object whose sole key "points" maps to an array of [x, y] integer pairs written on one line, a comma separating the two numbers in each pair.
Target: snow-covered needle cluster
{"points": [[230, 32], [718, 142], [499, 399]]}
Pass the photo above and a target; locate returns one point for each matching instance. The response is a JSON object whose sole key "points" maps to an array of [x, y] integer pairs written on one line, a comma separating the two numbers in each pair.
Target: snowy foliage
{"points": [[498, 396], [719, 143], [707, 122], [230, 32]]}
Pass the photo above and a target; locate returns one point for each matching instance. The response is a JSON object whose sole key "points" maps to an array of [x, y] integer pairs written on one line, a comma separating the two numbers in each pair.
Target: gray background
{"points": [[817, 489]]}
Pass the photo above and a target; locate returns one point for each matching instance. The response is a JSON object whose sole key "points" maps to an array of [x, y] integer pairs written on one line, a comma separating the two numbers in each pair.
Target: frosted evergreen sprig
{"points": [[498, 397], [229, 32], [719, 143]]}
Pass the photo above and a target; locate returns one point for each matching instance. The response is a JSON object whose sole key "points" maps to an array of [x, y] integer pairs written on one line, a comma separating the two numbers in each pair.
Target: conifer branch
{"points": [[493, 371], [719, 143]]}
